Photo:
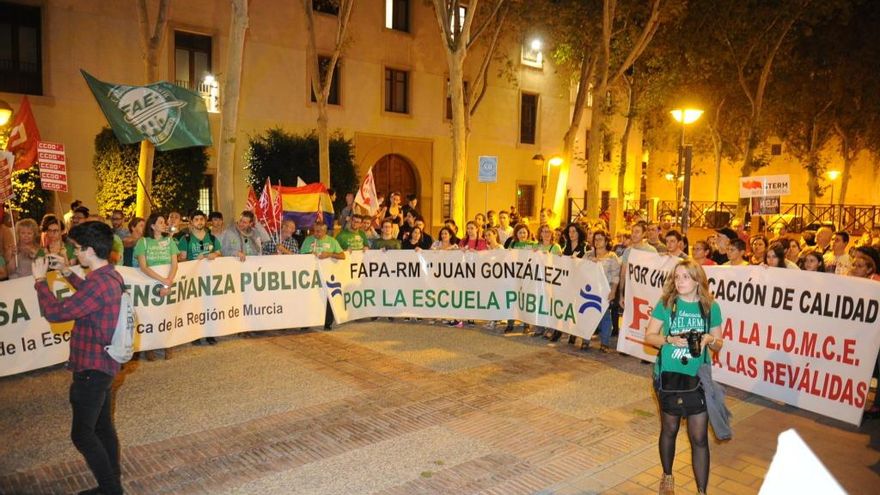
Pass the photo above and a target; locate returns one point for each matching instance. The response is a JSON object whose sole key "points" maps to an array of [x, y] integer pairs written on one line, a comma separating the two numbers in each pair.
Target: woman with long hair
{"points": [[156, 249], [686, 307], [472, 239], [445, 240], [812, 260], [575, 241], [547, 244], [521, 239], [610, 263], [27, 232], [775, 256], [415, 240], [490, 235]]}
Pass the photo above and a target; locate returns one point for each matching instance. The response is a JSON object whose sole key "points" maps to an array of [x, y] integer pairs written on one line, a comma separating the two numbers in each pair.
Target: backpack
{"points": [[121, 346]]}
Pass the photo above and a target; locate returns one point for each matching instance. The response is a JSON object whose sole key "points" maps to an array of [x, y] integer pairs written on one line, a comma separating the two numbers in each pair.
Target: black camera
{"points": [[694, 337]]}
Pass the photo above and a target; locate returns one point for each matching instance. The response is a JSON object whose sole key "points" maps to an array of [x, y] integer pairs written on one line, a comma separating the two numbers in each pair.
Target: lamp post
{"points": [[545, 165], [685, 116]]}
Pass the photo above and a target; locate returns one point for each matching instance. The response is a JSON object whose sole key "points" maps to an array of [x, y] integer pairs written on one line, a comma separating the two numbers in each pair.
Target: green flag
{"points": [[169, 116]]}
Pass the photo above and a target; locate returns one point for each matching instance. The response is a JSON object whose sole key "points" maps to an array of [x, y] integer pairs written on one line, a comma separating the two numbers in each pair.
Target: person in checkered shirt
{"points": [[94, 307]]}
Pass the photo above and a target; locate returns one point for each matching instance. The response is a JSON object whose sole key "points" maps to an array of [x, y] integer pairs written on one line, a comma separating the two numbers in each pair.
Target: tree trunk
{"points": [[459, 135], [323, 145], [229, 115], [151, 39], [624, 145], [597, 125], [586, 75]]}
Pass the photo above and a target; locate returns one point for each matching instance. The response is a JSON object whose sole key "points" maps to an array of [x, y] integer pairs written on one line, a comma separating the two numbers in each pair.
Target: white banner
{"points": [[209, 299], [805, 338], [559, 292]]}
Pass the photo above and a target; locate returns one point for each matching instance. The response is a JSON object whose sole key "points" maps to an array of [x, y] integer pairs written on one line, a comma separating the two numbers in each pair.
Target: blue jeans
{"points": [[92, 429], [605, 328]]}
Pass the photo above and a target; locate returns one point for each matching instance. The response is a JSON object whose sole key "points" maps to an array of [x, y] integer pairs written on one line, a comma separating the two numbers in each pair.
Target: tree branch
{"points": [[642, 42], [483, 75], [483, 26]]}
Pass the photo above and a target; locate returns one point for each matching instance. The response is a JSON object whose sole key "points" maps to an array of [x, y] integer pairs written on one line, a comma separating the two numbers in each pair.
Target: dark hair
{"points": [[249, 214], [642, 225], [151, 220], [738, 244], [809, 238], [582, 236], [674, 233], [95, 235], [814, 253], [706, 247], [48, 221], [75, 204], [447, 229], [759, 237], [519, 227], [844, 235], [215, 214], [410, 197], [83, 210], [134, 221], [779, 250], [604, 235], [196, 213], [330, 191]]}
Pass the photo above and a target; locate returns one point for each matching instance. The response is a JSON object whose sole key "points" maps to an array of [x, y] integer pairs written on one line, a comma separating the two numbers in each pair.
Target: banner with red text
{"points": [[805, 338]]}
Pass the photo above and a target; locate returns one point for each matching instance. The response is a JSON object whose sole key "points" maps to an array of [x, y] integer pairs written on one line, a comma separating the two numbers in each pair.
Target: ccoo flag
{"points": [[169, 116]]}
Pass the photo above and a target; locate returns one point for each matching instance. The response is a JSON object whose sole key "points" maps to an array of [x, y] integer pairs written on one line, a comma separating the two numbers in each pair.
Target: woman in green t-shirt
{"points": [[685, 305], [521, 239], [157, 249]]}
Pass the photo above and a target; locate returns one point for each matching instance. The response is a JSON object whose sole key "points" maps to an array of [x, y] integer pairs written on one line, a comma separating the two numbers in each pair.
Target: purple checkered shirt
{"points": [[95, 307]]}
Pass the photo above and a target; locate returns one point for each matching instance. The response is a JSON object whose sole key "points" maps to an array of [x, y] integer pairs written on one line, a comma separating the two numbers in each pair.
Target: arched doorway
{"points": [[394, 173]]}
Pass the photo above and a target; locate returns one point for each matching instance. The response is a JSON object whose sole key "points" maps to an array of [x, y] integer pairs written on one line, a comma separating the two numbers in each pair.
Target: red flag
{"points": [[251, 203], [23, 137], [269, 207], [366, 196]]}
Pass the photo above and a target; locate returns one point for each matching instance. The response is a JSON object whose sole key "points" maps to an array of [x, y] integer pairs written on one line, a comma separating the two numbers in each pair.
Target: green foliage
{"points": [[284, 156], [30, 199], [177, 176]]}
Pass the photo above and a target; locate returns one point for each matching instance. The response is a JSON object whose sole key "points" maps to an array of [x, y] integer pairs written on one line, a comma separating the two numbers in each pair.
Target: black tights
{"points": [[698, 433]]}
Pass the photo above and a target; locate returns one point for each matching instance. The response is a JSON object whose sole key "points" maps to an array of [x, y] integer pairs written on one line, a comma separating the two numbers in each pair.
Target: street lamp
{"points": [[539, 160], [832, 175], [5, 112], [685, 116]]}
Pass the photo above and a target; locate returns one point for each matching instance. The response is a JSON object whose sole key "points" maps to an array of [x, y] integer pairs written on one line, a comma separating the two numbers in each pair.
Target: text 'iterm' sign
{"points": [[53, 166], [758, 186], [488, 169]]}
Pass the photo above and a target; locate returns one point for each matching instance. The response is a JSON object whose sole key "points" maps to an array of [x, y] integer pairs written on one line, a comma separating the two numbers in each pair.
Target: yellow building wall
{"points": [[102, 37]]}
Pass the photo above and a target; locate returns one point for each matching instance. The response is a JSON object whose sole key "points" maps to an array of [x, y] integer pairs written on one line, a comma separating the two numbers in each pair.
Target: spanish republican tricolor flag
{"points": [[306, 204]]}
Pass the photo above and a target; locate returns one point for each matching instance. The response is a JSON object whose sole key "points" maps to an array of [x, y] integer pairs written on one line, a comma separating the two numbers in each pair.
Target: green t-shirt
{"points": [[386, 243], [687, 317], [313, 245], [552, 248], [193, 246], [157, 252], [117, 248], [522, 245], [350, 239]]}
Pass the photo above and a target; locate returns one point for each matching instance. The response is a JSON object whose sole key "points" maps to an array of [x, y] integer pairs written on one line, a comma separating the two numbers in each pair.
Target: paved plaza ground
{"points": [[398, 408]]}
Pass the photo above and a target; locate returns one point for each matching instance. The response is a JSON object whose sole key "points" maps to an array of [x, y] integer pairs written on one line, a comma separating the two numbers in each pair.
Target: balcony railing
{"points": [[208, 89]]}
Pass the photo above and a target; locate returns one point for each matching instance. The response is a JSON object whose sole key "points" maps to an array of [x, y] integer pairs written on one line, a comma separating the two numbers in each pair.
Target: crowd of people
{"points": [[156, 244]]}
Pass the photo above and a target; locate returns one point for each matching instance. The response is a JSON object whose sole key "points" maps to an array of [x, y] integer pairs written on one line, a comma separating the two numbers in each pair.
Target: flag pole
{"points": [[145, 179]]}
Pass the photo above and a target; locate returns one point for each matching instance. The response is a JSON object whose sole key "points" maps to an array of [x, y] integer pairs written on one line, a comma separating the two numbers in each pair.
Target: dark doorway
{"points": [[393, 173]]}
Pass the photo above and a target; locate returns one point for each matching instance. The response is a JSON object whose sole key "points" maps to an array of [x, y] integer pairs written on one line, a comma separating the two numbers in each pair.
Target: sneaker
{"points": [[212, 341], [459, 324], [585, 345], [604, 349], [454, 323], [197, 342], [490, 325], [572, 339], [667, 485]]}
